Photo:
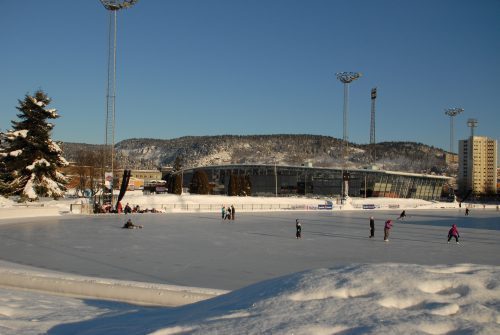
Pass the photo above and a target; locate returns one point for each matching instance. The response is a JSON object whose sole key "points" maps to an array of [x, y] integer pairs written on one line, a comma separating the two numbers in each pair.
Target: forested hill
{"points": [[321, 151]]}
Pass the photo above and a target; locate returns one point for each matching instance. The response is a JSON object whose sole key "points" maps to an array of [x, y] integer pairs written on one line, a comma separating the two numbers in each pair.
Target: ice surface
{"points": [[334, 280]]}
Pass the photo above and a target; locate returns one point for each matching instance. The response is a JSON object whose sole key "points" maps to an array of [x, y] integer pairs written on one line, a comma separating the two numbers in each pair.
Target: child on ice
{"points": [[453, 232]]}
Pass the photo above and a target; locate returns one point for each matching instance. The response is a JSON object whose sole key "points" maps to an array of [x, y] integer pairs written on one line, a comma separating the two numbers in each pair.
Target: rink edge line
{"points": [[105, 289]]}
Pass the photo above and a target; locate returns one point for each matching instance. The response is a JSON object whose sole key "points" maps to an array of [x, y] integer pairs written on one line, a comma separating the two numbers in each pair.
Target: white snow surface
{"points": [[383, 298], [353, 299], [15, 153], [22, 133], [42, 161]]}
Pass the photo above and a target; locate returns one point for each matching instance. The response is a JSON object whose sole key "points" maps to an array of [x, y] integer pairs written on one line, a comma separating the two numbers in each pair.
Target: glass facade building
{"points": [[271, 180]]}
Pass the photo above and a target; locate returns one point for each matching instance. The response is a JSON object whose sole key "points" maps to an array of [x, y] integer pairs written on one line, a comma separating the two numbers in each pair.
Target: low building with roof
{"points": [[280, 180]]}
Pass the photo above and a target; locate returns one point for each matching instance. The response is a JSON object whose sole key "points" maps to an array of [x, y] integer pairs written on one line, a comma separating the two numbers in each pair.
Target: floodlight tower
{"points": [[346, 78], [472, 123], [372, 124], [113, 6], [452, 112]]}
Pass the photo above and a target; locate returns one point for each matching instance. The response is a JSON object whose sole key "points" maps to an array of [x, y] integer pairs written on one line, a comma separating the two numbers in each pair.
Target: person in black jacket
{"points": [[298, 229], [372, 226]]}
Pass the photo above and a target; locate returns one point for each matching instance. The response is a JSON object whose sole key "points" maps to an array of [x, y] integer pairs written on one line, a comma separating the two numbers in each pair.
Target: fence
{"points": [[238, 207]]}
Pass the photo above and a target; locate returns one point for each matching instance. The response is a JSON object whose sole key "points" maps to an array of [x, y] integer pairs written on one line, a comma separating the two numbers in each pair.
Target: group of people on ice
{"points": [[228, 213], [452, 233]]}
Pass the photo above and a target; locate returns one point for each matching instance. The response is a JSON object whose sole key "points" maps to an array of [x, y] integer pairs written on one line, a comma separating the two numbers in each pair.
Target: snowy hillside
{"points": [[321, 151]]}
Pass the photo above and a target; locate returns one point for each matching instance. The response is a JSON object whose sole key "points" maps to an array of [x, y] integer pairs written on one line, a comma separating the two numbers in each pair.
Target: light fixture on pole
{"points": [[452, 112], [372, 126], [472, 123], [346, 78], [113, 6]]}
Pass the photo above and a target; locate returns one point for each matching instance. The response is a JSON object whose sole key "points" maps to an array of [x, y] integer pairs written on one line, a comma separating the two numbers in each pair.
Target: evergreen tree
{"points": [[232, 188], [247, 186], [29, 158], [177, 185], [178, 163], [3, 170], [199, 182]]}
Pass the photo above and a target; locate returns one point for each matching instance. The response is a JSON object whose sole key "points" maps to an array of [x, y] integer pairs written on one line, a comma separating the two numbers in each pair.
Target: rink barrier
{"points": [[105, 289]]}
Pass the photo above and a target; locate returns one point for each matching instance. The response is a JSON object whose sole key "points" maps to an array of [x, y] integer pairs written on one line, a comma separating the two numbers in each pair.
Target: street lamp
{"points": [[346, 78], [452, 112]]}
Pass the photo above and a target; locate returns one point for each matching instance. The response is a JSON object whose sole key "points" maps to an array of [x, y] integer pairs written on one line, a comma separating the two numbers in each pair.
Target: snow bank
{"points": [[107, 289], [353, 299]]}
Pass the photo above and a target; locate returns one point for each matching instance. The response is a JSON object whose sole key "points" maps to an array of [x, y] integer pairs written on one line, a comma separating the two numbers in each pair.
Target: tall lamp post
{"points": [[472, 123], [452, 112], [113, 6], [346, 78]]}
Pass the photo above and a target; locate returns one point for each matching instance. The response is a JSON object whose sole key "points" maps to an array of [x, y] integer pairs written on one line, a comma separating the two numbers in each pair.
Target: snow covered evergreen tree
{"points": [[29, 159]]}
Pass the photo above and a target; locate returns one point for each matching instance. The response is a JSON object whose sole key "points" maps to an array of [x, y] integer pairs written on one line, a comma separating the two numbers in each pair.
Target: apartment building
{"points": [[477, 165]]}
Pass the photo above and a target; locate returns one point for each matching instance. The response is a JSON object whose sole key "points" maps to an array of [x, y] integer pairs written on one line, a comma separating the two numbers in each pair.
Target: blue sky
{"points": [[212, 67]]}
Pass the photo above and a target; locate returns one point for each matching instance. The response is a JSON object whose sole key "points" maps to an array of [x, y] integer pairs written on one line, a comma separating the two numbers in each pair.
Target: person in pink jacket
{"points": [[387, 229], [453, 232]]}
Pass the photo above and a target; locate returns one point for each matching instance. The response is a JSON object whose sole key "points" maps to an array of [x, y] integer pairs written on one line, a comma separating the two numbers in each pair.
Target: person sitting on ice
{"points": [[127, 209], [453, 232], [130, 225]]}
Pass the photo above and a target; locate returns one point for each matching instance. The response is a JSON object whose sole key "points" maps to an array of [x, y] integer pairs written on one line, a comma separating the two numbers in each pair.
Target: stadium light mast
{"points": [[472, 123], [372, 125], [346, 78], [452, 112], [113, 6]]}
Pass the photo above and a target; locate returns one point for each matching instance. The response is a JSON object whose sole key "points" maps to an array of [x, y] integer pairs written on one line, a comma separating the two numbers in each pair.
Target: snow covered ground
{"points": [[333, 281]]}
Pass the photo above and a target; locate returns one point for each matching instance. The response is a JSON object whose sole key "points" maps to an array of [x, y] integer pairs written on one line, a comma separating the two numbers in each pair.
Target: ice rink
{"points": [[201, 250]]}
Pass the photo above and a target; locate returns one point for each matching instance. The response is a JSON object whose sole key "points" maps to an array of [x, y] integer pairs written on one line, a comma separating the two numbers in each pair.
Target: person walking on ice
{"points": [[298, 229], [387, 230], [372, 227], [453, 232]]}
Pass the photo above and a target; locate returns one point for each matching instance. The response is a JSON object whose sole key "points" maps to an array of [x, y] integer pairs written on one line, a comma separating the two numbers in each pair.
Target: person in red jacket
{"points": [[387, 230], [453, 232]]}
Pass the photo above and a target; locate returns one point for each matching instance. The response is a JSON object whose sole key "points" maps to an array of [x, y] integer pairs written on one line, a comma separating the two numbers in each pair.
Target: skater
{"points": [[127, 209], [387, 230], [130, 225], [232, 212], [372, 227], [453, 232], [223, 212], [402, 215], [467, 212], [298, 228], [228, 213]]}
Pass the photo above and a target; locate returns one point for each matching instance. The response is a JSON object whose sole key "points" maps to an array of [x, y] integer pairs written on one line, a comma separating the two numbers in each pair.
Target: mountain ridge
{"points": [[283, 149]]}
